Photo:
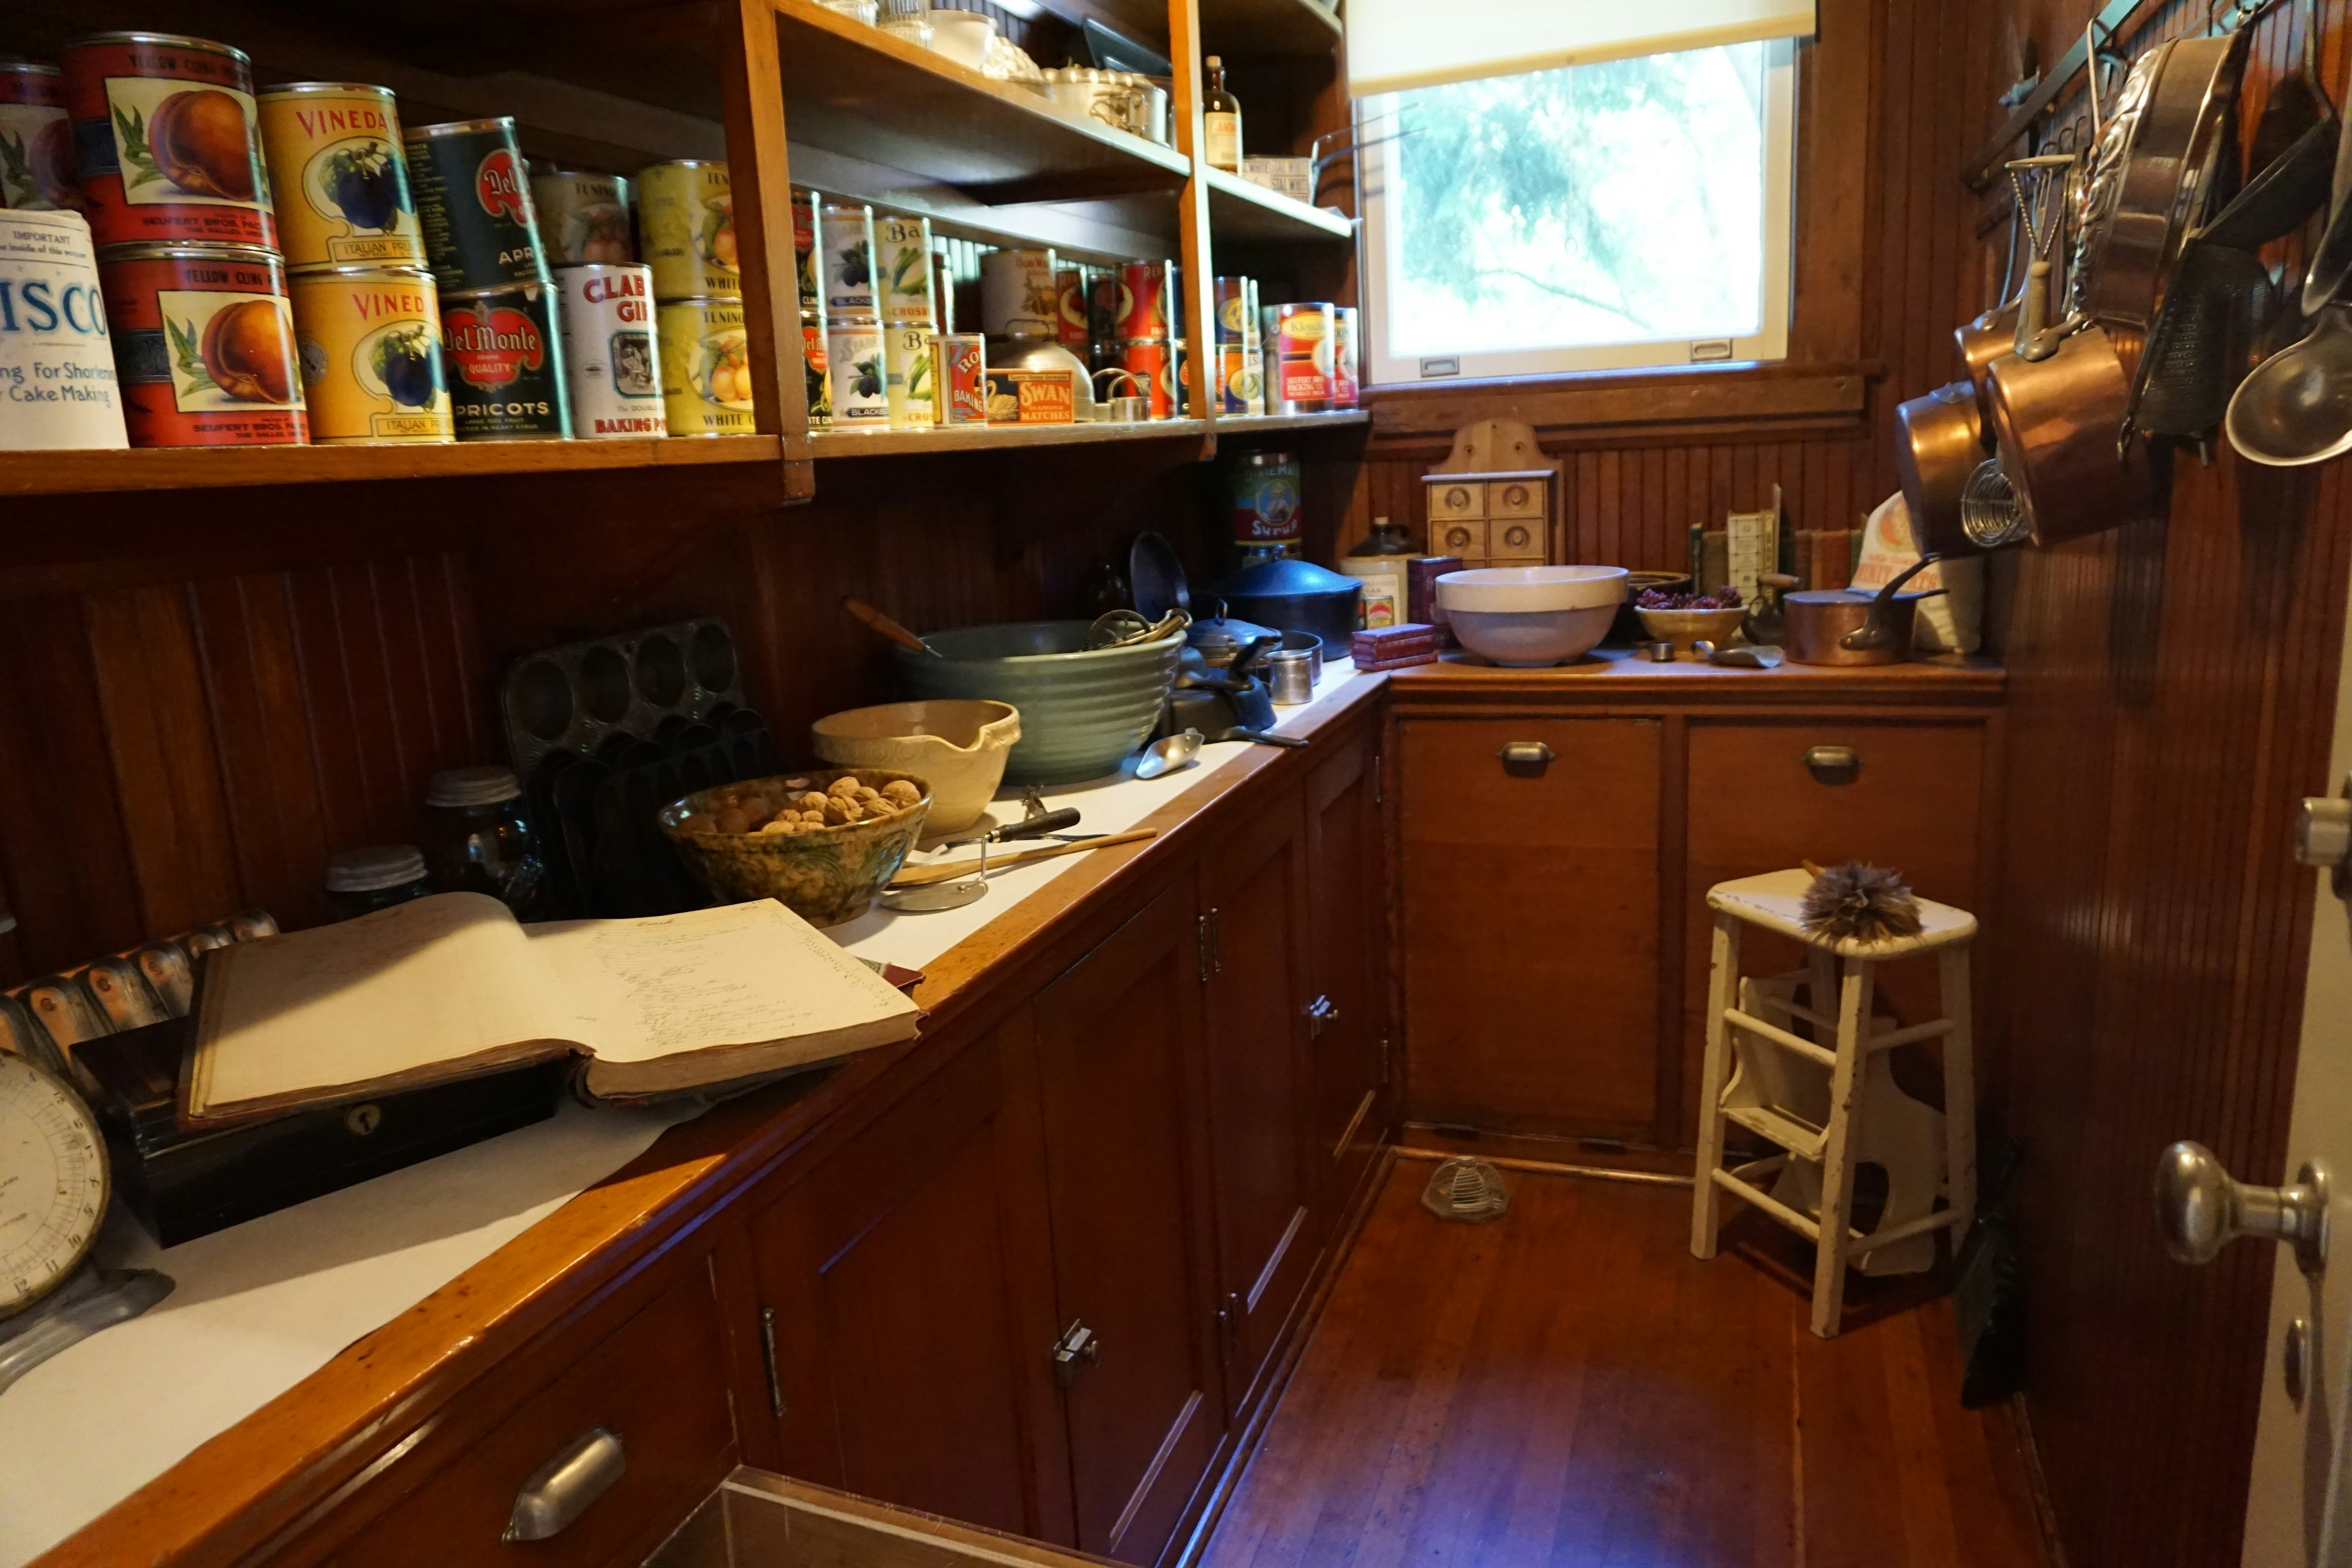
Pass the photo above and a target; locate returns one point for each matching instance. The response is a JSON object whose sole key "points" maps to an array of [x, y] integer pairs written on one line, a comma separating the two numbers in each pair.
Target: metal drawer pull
{"points": [[1525, 759], [1833, 760], [565, 1486]]}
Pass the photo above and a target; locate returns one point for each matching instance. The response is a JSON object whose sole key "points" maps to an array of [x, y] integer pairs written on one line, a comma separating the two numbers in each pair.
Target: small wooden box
{"points": [[1451, 498]]}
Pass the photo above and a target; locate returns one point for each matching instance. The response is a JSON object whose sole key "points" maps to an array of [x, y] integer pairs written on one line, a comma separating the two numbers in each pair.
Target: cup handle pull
{"points": [[562, 1488], [1843, 762], [1525, 759]]}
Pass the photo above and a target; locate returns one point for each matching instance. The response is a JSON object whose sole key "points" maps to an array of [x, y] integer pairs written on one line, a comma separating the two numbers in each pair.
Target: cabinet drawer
{"points": [[1455, 500], [1465, 537], [658, 1384]]}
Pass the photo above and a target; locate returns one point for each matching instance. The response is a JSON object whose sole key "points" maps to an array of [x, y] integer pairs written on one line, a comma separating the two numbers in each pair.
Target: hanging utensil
{"points": [[1989, 515], [874, 620]]}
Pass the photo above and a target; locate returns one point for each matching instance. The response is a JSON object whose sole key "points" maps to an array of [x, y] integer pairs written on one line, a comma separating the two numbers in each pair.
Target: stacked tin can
{"points": [[604, 303], [853, 317], [685, 233], [1149, 331], [809, 267], [910, 323], [1241, 350]]}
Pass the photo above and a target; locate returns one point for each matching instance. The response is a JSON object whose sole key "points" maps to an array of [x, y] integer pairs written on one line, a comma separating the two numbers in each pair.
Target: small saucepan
{"points": [[1851, 626]]}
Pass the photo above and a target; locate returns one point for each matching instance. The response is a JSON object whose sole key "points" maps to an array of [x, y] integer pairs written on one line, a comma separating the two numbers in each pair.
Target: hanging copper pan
{"points": [[1939, 442], [2059, 423]]}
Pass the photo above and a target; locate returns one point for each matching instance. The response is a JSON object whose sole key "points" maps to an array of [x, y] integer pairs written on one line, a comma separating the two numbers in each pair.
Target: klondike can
{"points": [[960, 377], [861, 376], [845, 237], [165, 142], [56, 363], [339, 175], [480, 230], [706, 367], [1299, 359], [686, 217], [812, 366], [609, 353], [912, 388], [36, 155], [204, 345], [582, 218], [505, 357], [370, 340]]}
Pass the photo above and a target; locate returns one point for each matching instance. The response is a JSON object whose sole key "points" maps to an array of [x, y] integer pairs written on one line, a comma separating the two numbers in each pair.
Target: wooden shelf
{"points": [[1262, 423], [1245, 28], [229, 467], [976, 438], [1243, 209]]}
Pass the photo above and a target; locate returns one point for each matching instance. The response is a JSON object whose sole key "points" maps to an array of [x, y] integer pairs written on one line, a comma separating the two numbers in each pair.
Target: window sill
{"points": [[1614, 408]]}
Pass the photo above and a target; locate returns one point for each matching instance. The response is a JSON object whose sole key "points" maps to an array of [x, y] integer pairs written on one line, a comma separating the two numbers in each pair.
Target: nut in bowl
{"points": [[1684, 619], [823, 843]]}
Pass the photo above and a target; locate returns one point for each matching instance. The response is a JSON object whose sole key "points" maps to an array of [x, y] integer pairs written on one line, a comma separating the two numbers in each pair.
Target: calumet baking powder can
{"points": [[58, 386], [370, 341], [204, 345], [166, 143], [611, 365], [36, 155]]}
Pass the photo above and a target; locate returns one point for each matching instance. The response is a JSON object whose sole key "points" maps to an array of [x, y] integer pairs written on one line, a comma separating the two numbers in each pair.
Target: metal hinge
{"points": [[768, 1350], [1376, 778], [1229, 1327], [1388, 1066], [1201, 946], [1076, 1351]]}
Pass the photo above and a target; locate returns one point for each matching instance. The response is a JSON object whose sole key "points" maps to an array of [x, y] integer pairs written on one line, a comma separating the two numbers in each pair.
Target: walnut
{"points": [[863, 793], [901, 791], [811, 800], [780, 826], [734, 819], [846, 784], [840, 812]]}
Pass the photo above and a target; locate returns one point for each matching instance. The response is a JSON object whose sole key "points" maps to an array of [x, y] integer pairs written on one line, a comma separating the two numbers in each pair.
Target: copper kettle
{"points": [[1850, 626]]}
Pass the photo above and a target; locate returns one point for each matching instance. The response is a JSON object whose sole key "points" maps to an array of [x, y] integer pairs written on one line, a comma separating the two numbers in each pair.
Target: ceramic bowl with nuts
{"points": [[821, 843]]}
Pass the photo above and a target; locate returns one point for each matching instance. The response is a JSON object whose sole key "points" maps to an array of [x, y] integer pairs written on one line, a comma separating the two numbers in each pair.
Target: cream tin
{"points": [[611, 365], [56, 361]]}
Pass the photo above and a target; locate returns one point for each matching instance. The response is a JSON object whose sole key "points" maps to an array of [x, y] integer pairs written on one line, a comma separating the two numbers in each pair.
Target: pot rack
{"points": [[1990, 161]]}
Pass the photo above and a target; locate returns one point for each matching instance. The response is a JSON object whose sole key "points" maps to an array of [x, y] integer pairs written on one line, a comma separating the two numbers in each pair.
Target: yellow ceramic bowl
{"points": [[825, 876], [1684, 627], [957, 745]]}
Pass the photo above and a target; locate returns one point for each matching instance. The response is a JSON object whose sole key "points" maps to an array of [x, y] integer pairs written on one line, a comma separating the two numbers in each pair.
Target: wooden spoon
{"points": [[920, 875], [871, 617]]}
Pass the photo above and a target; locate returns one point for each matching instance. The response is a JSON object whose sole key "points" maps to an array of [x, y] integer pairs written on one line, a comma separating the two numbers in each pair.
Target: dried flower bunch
{"points": [[1725, 597], [1868, 903]]}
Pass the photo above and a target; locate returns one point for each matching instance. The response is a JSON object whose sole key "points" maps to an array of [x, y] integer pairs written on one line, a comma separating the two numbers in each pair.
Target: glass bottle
{"points": [[1223, 113]]}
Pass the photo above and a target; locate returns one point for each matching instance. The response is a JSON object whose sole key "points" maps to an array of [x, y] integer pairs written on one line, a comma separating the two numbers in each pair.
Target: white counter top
{"points": [[259, 1307]]}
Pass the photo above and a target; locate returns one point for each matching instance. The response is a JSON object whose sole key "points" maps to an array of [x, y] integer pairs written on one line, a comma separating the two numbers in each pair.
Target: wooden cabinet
{"points": [[1260, 1101], [1531, 920], [1350, 1038]]}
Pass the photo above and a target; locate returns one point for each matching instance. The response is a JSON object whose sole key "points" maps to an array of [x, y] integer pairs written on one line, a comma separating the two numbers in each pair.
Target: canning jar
{"points": [[479, 837], [361, 881]]}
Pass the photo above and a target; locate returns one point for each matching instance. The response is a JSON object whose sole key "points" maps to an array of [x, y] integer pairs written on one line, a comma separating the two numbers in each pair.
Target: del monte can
{"points": [[506, 364], [340, 176], [473, 202], [56, 361], [370, 340]]}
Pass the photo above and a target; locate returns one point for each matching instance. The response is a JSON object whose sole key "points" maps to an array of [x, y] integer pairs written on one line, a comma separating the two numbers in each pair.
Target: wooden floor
{"points": [[1568, 1387]]}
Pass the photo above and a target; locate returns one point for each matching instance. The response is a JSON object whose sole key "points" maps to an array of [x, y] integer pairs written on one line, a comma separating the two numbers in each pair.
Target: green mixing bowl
{"points": [[1082, 710]]}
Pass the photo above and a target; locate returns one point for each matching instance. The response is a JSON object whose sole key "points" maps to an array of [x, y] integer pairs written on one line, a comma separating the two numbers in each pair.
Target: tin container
{"points": [[861, 376], [1154, 364], [1102, 306], [505, 355], [805, 255], [912, 387], [57, 361], [583, 217], [705, 366], [164, 141], [204, 345], [844, 234], [902, 256], [369, 344], [812, 366], [960, 377], [480, 230], [339, 175], [1147, 304], [943, 291], [36, 151], [610, 364], [1264, 487], [1073, 319], [1344, 386], [686, 218], [1254, 378], [1017, 295], [1241, 379], [1236, 307], [1027, 396], [1299, 358]]}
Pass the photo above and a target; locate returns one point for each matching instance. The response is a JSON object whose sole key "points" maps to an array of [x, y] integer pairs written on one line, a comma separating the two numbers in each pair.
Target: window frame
{"points": [[1770, 342]]}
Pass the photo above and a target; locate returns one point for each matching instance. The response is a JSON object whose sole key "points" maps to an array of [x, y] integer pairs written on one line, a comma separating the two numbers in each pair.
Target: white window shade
{"points": [[1398, 44]]}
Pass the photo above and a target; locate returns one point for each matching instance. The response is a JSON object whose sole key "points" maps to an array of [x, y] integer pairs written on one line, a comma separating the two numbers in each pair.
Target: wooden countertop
{"points": [[1621, 675]]}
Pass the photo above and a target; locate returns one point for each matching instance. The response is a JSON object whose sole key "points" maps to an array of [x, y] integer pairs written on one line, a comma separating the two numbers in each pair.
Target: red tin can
{"points": [[1299, 359], [1153, 363], [1148, 307], [165, 135], [960, 372], [204, 345], [1344, 381], [1072, 326], [36, 153]]}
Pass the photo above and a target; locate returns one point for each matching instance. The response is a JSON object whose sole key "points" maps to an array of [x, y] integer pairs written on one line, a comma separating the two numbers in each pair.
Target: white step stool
{"points": [[1858, 1115]]}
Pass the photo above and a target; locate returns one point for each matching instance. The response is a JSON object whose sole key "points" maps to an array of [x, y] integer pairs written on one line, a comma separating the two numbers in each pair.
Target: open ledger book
{"points": [[453, 986]]}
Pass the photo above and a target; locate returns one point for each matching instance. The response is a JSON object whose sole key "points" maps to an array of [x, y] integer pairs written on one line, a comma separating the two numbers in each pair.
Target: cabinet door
{"points": [[1260, 1091], [1347, 956], [1914, 801], [902, 1342], [1531, 924], [1113, 1034]]}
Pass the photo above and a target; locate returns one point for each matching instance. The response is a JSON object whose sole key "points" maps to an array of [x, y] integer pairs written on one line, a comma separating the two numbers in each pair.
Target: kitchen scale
{"points": [[54, 1188]]}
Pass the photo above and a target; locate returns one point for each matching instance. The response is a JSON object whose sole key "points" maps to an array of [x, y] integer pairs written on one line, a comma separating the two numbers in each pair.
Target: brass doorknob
{"points": [[2203, 1208]]}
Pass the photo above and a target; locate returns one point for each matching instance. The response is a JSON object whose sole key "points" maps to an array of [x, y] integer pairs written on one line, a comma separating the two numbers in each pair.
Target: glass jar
{"points": [[361, 881], [479, 837]]}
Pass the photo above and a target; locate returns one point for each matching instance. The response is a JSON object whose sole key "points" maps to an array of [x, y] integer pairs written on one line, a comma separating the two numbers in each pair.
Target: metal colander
{"points": [[1990, 514], [2205, 340], [1466, 1189]]}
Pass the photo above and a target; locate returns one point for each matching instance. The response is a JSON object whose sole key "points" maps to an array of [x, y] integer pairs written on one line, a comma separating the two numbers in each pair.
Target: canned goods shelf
{"points": [[224, 467], [972, 437], [1243, 209]]}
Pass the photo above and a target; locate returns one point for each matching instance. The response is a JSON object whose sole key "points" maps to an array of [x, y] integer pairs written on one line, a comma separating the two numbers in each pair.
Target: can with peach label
{"points": [[36, 155], [340, 176], [204, 345], [166, 143], [370, 341], [705, 366], [686, 224]]}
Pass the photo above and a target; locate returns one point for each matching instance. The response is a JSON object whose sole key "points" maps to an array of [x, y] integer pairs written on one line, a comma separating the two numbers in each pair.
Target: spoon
{"points": [[2296, 405], [1167, 754], [876, 620]]}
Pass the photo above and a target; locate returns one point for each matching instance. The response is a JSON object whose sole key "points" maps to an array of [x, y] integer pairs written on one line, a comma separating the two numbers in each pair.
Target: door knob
{"points": [[2322, 837], [2203, 1209]]}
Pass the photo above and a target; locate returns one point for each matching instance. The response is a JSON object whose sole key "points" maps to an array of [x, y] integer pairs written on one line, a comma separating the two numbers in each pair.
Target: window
{"points": [[1628, 213]]}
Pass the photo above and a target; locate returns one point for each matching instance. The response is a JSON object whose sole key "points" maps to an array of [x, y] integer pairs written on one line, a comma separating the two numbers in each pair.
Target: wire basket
{"points": [[1990, 514], [1466, 1189]]}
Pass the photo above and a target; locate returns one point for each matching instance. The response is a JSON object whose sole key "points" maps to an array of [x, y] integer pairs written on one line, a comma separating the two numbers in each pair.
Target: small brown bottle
{"points": [[1223, 113]]}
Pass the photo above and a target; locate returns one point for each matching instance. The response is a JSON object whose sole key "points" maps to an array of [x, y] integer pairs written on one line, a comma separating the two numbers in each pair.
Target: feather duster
{"points": [[1866, 902]]}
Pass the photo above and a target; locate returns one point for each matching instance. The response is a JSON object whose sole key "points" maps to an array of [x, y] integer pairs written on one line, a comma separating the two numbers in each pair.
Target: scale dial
{"points": [[53, 1183]]}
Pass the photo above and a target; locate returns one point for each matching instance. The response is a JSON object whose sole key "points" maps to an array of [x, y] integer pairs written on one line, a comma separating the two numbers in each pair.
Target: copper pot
{"points": [[2059, 425], [1983, 341], [1939, 440], [1850, 626]]}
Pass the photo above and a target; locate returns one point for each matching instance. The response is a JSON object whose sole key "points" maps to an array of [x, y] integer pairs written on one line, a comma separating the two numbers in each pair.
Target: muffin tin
{"points": [[605, 854], [594, 697]]}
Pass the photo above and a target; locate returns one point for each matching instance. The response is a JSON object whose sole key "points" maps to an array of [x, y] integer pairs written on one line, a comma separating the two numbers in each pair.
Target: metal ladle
{"points": [[1168, 753], [2295, 407]]}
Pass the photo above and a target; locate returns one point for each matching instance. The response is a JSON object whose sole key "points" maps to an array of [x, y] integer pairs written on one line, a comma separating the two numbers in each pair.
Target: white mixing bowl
{"points": [[1524, 618]]}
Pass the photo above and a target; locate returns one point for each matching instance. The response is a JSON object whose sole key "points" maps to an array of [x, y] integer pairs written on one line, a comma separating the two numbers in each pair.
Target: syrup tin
{"points": [[204, 345], [1265, 487], [611, 365], [58, 386], [960, 375], [369, 340], [1153, 362], [705, 366], [505, 358], [1147, 304], [165, 139], [685, 218], [846, 262], [813, 364], [805, 255], [903, 253], [912, 387], [37, 152], [1299, 359], [582, 218], [480, 230], [1236, 305], [1241, 379], [1073, 327], [1017, 294], [1344, 386], [340, 176], [861, 377]]}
